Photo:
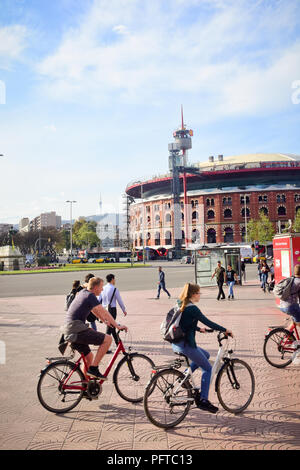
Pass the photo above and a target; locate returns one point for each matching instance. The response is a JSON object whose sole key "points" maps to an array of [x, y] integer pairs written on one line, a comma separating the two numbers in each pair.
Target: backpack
{"points": [[282, 290], [170, 329], [69, 299]]}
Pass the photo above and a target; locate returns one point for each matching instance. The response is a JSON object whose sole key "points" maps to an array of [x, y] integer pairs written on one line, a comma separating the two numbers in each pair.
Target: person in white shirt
{"points": [[109, 297]]}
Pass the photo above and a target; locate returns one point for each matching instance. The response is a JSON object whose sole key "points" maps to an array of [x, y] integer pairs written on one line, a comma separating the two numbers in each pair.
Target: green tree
{"points": [[84, 234], [261, 229], [296, 225]]}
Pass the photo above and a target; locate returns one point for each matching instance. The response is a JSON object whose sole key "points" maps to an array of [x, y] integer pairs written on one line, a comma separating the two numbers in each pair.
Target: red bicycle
{"points": [[62, 384], [279, 345]]}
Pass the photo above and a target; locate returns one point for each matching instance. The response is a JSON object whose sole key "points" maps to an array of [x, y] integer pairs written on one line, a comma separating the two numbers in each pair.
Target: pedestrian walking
{"points": [[264, 275], [220, 274], [91, 318], [243, 269], [110, 296], [162, 283], [231, 277], [76, 287]]}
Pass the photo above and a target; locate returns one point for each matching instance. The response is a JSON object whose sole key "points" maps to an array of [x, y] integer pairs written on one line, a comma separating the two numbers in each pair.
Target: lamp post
{"points": [[245, 205], [71, 245]]}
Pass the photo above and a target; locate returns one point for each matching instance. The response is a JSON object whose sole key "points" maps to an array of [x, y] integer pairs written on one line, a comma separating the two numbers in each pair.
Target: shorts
{"points": [[86, 337], [293, 310]]}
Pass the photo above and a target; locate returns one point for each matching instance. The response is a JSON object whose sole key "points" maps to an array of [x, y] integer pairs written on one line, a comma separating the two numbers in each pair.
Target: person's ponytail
{"points": [[188, 291]]}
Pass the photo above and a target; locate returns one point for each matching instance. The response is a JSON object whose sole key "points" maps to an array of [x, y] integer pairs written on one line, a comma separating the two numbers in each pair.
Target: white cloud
{"points": [[12, 43], [235, 58], [50, 128]]}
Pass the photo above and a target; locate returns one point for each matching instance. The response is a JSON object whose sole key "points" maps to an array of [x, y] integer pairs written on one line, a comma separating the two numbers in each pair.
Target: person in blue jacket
{"points": [[162, 283], [191, 314]]}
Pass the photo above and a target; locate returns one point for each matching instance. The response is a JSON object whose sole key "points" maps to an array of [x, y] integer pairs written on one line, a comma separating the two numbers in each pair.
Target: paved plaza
{"points": [[30, 331]]}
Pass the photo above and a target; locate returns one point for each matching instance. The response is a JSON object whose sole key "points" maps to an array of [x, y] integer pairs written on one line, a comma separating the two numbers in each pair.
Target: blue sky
{"points": [[94, 89]]}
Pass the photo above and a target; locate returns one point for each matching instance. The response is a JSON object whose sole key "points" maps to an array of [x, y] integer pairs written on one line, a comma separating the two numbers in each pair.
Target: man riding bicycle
{"points": [[80, 335]]}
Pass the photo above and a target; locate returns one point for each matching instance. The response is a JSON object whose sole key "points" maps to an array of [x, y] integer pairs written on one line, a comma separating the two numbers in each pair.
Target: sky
{"points": [[91, 92]]}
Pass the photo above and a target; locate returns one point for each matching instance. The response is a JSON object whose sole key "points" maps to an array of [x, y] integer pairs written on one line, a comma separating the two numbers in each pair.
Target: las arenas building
{"points": [[221, 199]]}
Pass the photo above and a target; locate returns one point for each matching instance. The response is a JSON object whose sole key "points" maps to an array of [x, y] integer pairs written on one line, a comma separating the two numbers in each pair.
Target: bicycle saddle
{"points": [[181, 354]]}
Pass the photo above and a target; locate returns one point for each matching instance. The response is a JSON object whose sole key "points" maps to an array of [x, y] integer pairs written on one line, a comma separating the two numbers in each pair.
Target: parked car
{"points": [[79, 260]]}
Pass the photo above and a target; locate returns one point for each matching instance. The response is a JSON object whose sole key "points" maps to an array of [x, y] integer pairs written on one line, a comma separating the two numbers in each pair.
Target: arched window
{"points": [[148, 238], [168, 238], [211, 235], [227, 214], [195, 215], [264, 210], [157, 219], [281, 210], [168, 218], [208, 202], [182, 216], [157, 238], [228, 235], [140, 240], [182, 235], [247, 212], [195, 236], [210, 214]]}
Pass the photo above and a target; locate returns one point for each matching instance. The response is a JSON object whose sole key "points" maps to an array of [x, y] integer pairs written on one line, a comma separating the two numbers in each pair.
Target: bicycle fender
{"points": [[219, 373]]}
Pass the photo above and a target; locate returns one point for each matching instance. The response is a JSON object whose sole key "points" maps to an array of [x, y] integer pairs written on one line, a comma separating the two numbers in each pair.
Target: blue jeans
{"points": [[293, 310], [199, 358], [231, 284], [162, 286], [264, 278]]}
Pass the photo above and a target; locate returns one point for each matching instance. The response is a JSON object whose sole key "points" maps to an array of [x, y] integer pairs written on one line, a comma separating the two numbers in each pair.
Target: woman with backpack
{"points": [[199, 357], [291, 304]]}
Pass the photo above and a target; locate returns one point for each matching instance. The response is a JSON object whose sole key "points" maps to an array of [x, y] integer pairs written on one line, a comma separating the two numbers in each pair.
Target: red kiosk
{"points": [[286, 252]]}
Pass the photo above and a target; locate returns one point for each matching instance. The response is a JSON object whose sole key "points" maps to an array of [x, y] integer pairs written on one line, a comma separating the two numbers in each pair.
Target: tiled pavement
{"points": [[29, 328]]}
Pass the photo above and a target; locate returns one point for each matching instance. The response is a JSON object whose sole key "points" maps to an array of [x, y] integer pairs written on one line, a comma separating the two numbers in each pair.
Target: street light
{"points": [[71, 245]]}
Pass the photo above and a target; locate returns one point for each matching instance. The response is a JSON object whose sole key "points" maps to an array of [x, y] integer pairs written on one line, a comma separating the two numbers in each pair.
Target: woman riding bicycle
{"points": [[199, 357]]}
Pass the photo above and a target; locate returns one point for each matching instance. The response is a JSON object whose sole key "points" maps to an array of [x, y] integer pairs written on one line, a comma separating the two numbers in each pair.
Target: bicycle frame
{"points": [[215, 369], [65, 386], [292, 329]]}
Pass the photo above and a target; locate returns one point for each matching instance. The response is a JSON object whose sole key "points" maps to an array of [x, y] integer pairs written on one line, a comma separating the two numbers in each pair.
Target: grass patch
{"points": [[75, 268]]}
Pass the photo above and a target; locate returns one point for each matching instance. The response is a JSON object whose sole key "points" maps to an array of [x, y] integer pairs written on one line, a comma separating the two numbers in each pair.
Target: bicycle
{"points": [[278, 345], [62, 384], [169, 394]]}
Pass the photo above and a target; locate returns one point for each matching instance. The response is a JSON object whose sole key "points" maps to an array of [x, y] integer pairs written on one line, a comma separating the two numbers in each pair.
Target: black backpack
{"points": [[170, 329], [69, 299]]}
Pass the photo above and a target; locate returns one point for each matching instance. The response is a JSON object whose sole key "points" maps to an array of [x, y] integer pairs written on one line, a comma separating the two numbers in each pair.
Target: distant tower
{"points": [[177, 163], [183, 140], [100, 204]]}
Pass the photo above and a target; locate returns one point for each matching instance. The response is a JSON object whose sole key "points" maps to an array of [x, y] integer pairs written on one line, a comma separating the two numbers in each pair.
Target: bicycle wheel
{"points": [[50, 387], [278, 348], [235, 386], [163, 408], [132, 375]]}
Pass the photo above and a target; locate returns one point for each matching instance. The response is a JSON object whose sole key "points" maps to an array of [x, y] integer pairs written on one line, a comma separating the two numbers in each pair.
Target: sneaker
{"points": [[229, 297], [94, 372], [232, 297], [205, 405]]}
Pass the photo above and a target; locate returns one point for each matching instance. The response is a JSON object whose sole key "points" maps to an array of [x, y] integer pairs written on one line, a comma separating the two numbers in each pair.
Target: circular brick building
{"points": [[221, 199]]}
